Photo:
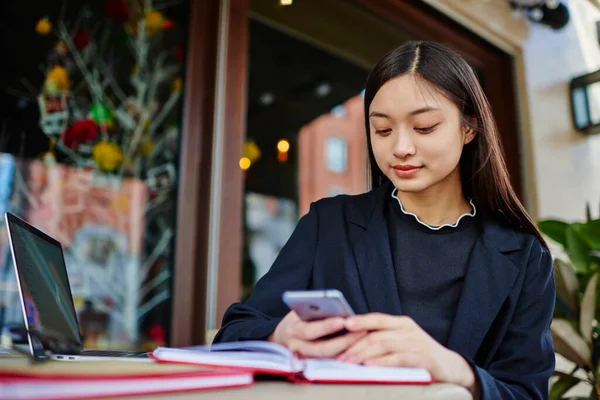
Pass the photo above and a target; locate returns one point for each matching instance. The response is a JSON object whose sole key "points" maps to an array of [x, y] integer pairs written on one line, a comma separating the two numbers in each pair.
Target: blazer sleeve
{"points": [[257, 317], [525, 361]]}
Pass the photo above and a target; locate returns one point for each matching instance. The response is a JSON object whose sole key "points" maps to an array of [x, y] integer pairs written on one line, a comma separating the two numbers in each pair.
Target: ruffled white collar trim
{"points": [[435, 228]]}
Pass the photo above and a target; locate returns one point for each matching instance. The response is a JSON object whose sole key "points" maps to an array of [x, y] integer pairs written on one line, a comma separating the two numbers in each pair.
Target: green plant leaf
{"points": [[555, 230], [590, 232], [562, 386], [578, 249], [569, 344], [588, 308], [567, 285]]}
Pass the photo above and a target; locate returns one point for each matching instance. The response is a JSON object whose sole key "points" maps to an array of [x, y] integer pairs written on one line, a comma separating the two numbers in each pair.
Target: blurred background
{"points": [[172, 145]]}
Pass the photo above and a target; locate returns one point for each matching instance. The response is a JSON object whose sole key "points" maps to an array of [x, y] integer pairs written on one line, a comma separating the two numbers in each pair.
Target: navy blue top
{"points": [[430, 266], [502, 321]]}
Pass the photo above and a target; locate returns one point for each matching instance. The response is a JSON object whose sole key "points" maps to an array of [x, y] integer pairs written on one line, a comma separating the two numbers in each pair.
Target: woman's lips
{"points": [[406, 171]]}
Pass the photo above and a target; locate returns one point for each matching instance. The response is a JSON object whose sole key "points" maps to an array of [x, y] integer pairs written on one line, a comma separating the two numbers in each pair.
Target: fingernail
{"points": [[350, 323], [342, 358]]}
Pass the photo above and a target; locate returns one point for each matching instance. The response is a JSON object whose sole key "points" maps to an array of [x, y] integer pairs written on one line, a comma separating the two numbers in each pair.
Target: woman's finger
{"points": [[374, 345], [376, 322], [324, 348], [331, 348], [317, 329]]}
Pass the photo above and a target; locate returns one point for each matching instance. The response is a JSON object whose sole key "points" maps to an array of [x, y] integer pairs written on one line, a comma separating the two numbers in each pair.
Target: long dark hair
{"points": [[483, 171]]}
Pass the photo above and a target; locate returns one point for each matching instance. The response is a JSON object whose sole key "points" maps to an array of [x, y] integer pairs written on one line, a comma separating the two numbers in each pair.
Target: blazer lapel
{"points": [[373, 256], [489, 278]]}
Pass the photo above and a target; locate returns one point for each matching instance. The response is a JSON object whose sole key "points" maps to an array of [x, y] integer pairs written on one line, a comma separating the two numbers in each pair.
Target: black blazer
{"points": [[504, 313]]}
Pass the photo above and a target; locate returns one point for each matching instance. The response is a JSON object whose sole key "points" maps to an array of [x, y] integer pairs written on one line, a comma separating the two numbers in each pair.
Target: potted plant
{"points": [[575, 327]]}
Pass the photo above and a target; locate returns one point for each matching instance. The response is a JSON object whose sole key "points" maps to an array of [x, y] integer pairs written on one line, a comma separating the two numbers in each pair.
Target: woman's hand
{"points": [[399, 341], [302, 337]]}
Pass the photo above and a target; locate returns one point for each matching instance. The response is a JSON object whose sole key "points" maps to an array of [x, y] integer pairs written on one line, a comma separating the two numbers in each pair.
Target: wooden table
{"points": [[279, 390], [288, 391]]}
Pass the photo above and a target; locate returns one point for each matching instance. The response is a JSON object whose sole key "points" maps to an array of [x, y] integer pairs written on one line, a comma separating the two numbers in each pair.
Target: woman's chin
{"points": [[409, 185]]}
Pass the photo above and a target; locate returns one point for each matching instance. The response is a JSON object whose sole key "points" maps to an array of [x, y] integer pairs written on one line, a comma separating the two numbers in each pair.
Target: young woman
{"points": [[440, 260]]}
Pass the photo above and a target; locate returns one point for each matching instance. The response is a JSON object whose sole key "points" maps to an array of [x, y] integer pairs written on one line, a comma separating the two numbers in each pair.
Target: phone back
{"points": [[311, 308]]}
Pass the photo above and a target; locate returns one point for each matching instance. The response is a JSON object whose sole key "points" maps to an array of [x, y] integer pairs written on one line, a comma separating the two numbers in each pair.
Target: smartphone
{"points": [[313, 305]]}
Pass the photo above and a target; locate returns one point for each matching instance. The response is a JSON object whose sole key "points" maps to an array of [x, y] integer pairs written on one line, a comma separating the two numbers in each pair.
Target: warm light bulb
{"points": [[286, 2], [245, 163], [283, 146]]}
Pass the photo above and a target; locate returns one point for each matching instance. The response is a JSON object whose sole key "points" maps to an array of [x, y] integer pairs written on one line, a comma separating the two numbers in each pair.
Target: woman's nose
{"points": [[404, 145]]}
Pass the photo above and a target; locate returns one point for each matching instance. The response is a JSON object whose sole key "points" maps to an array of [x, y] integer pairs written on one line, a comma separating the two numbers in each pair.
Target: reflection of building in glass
{"points": [[270, 222], [10, 307], [101, 229], [7, 165], [332, 157]]}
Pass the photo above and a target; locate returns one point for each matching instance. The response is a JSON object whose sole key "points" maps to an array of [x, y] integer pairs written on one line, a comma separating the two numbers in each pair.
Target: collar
{"points": [[366, 211], [435, 228]]}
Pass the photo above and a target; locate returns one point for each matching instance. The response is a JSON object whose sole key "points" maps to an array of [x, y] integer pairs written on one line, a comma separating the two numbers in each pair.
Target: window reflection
{"points": [[304, 126], [336, 154], [90, 127]]}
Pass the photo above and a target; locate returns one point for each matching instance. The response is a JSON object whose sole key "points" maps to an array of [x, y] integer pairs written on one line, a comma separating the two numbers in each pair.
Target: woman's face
{"points": [[417, 134]]}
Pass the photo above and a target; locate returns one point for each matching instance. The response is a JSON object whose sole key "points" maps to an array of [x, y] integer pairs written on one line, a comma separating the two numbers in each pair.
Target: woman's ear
{"points": [[469, 130]]}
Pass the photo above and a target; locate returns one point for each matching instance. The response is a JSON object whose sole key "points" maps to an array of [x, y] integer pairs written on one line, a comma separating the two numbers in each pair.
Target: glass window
{"points": [[89, 146], [305, 123], [336, 150]]}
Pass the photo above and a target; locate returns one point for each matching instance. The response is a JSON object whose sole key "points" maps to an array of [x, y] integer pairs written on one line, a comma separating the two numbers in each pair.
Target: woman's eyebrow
{"points": [[412, 113], [378, 114], [423, 110]]}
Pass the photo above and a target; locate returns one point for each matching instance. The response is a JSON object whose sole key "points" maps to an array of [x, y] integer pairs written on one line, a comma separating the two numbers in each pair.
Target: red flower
{"points": [[82, 131], [81, 40], [117, 10], [157, 333]]}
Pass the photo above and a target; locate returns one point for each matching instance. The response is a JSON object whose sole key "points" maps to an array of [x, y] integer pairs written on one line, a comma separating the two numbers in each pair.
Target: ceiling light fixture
{"points": [[245, 163], [283, 146]]}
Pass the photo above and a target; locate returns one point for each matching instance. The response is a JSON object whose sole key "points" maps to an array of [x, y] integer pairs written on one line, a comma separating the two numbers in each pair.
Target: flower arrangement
{"points": [[108, 103], [95, 115]]}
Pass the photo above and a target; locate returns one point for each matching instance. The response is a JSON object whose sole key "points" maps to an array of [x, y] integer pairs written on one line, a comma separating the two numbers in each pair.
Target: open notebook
{"points": [[103, 379], [261, 357]]}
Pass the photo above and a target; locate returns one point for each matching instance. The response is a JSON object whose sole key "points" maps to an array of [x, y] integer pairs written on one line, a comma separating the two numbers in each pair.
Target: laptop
{"points": [[46, 295]]}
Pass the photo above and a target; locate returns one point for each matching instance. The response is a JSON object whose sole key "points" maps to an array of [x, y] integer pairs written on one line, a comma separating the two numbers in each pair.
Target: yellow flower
{"points": [[43, 26], [154, 21], [57, 79], [107, 155]]}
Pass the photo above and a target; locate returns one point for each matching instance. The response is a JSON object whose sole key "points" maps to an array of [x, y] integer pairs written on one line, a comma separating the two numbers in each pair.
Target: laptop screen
{"points": [[45, 291]]}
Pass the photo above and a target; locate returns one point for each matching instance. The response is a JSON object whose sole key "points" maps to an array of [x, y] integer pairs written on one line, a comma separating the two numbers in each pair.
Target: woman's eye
{"points": [[383, 131], [426, 129]]}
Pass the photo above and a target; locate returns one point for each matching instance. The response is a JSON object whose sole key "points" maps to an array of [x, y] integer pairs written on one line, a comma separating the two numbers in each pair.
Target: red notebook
{"points": [[261, 357], [102, 379]]}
